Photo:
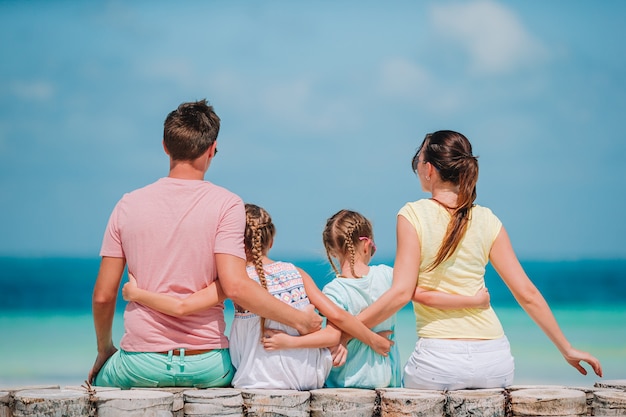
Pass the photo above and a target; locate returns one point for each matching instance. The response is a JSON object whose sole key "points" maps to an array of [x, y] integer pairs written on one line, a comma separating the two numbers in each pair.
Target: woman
{"points": [[444, 244]]}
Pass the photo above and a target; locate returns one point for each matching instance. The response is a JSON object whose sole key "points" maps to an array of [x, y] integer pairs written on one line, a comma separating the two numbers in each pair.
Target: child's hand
{"points": [[482, 298], [345, 338], [130, 288], [276, 340], [339, 354]]}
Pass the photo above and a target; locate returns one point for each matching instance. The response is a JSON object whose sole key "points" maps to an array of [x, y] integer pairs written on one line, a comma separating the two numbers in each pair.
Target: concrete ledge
{"points": [[607, 398]]}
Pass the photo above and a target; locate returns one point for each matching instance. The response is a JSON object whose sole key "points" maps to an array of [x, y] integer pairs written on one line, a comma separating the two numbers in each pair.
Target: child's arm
{"points": [[276, 339], [173, 306], [443, 301], [344, 320]]}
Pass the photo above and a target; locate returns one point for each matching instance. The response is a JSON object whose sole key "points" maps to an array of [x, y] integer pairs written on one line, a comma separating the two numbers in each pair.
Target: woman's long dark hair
{"points": [[451, 155]]}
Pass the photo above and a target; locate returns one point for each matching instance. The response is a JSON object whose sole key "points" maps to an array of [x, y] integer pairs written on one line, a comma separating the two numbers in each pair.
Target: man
{"points": [[177, 235]]}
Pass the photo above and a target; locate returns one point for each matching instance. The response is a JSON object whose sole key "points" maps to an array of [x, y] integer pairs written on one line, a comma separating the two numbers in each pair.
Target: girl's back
{"points": [[365, 368], [300, 369]]}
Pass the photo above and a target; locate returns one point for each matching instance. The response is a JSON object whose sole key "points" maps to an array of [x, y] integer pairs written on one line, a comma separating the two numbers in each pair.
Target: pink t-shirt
{"points": [[169, 233]]}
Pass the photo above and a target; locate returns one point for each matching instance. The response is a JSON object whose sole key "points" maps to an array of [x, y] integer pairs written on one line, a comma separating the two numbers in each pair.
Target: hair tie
{"points": [[463, 156]]}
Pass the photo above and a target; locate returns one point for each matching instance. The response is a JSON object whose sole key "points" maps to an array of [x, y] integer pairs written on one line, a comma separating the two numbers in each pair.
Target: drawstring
{"points": [[182, 359]]}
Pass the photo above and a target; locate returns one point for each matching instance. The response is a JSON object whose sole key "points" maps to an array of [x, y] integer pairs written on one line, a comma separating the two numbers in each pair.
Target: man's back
{"points": [[169, 232], [174, 236]]}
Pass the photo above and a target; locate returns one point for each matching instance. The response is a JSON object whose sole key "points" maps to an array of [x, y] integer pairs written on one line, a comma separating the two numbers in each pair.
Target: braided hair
{"points": [[258, 238], [451, 155], [341, 235]]}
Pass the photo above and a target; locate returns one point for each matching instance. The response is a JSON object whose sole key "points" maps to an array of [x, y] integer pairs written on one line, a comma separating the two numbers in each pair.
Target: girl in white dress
{"points": [[299, 367]]}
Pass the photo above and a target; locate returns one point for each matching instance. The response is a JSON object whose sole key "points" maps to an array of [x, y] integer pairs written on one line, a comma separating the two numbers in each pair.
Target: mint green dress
{"points": [[364, 368]]}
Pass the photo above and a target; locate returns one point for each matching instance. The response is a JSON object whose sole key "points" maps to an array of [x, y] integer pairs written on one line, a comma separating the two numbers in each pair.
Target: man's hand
{"points": [[100, 361], [311, 321]]}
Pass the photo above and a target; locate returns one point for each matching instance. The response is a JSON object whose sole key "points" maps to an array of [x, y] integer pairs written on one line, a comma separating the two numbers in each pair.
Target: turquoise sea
{"points": [[46, 330]]}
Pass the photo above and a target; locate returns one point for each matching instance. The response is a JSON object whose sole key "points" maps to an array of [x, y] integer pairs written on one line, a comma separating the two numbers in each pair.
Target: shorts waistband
{"points": [[185, 352], [463, 346]]}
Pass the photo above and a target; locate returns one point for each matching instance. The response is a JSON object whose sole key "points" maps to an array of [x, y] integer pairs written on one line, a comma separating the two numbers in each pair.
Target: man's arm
{"points": [[103, 307], [247, 293]]}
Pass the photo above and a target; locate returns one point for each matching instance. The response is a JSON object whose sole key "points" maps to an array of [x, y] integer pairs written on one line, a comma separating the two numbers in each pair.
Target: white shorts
{"points": [[447, 365]]}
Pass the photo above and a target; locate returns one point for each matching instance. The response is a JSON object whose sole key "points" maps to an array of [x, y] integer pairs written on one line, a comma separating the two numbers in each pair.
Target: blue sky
{"points": [[322, 105]]}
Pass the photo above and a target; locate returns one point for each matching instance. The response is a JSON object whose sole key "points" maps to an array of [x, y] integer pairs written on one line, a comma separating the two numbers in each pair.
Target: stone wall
{"points": [[607, 398]]}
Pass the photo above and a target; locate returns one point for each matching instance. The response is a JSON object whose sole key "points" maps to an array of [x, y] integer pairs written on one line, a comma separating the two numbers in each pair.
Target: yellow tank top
{"points": [[463, 273]]}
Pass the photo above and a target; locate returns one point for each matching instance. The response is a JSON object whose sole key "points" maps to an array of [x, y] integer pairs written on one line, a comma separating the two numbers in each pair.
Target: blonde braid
{"points": [[349, 242], [341, 235], [330, 241], [257, 258], [258, 238]]}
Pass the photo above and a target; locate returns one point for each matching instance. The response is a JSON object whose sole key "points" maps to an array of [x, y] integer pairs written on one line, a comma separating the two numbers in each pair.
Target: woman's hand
{"points": [[575, 356], [383, 344]]}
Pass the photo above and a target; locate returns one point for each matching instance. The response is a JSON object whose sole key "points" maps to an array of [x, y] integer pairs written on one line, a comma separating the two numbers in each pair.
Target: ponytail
{"points": [[451, 154]]}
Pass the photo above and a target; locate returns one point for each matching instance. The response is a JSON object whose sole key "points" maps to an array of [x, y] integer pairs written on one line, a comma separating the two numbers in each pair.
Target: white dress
{"points": [[256, 368]]}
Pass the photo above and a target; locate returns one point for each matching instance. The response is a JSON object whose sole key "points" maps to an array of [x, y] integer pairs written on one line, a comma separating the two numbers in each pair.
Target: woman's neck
{"points": [[446, 196]]}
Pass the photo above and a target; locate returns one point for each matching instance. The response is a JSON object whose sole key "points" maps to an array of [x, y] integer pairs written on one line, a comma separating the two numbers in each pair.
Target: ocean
{"points": [[47, 337]]}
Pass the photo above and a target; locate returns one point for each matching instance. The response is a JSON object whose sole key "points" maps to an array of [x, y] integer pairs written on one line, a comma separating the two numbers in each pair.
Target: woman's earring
{"points": [[427, 178]]}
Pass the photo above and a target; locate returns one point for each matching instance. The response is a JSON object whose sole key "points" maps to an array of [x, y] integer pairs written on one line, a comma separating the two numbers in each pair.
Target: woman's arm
{"points": [[405, 275], [342, 319], [445, 301], [173, 306], [507, 265]]}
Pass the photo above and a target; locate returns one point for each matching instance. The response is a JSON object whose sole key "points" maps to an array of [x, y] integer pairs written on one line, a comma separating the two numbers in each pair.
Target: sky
{"points": [[323, 105]]}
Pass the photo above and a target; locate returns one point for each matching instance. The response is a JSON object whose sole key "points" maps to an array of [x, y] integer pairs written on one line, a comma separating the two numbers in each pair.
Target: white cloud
{"points": [[295, 103], [298, 104], [401, 78], [33, 90], [179, 70], [405, 80], [492, 35]]}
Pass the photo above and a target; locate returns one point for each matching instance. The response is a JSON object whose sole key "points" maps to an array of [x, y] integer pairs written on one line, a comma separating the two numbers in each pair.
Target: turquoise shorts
{"points": [[150, 370]]}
